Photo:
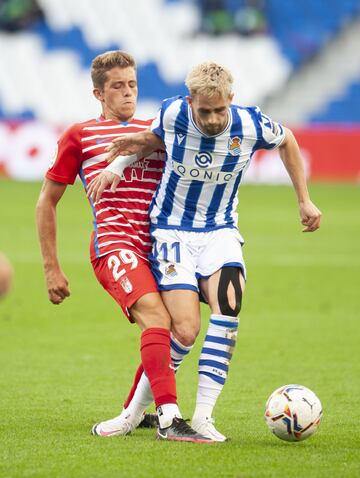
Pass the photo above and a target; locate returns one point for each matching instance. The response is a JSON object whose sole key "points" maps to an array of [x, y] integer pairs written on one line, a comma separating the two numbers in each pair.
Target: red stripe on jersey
{"points": [[120, 218]]}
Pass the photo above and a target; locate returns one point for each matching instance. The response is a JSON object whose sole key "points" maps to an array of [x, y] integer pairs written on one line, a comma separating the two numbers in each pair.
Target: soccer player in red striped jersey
{"points": [[120, 241]]}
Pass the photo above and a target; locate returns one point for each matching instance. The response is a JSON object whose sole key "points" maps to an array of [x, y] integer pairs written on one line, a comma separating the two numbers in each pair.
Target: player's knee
{"points": [[186, 335], [230, 298]]}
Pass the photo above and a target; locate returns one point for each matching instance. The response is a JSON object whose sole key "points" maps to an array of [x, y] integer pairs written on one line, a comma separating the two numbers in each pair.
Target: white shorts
{"points": [[180, 258]]}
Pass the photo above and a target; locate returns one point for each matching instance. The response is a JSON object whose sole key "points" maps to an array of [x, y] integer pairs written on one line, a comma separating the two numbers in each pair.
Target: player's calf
{"points": [[225, 297]]}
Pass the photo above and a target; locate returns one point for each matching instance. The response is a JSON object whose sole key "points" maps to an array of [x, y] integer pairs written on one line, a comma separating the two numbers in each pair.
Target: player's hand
{"points": [[310, 216], [102, 181], [57, 286], [124, 145]]}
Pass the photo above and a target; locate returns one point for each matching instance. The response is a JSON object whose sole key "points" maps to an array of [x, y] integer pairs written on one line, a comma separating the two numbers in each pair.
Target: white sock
{"points": [[142, 398], [178, 351], [166, 414], [214, 362]]}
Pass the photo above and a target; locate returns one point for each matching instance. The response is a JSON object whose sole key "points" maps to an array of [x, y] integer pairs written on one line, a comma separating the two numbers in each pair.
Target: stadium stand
{"points": [[344, 109], [60, 49], [294, 59]]}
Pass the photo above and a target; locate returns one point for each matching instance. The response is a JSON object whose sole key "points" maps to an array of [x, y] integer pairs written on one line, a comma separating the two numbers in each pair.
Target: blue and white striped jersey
{"points": [[198, 189]]}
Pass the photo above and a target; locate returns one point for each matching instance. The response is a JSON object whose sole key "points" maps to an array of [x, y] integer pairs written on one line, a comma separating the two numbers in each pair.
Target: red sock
{"points": [[137, 377], [156, 360]]}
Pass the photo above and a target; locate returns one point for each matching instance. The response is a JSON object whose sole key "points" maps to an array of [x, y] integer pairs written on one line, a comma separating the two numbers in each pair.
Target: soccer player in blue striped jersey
{"points": [[209, 144]]}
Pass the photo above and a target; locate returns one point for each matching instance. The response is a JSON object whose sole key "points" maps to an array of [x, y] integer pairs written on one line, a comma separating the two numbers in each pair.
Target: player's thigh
{"points": [[221, 269], [184, 309], [128, 278], [223, 248], [149, 311], [224, 289], [172, 263]]}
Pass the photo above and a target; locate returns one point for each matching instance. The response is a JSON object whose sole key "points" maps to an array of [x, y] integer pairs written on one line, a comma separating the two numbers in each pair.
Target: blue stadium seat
{"points": [[342, 110], [302, 28]]}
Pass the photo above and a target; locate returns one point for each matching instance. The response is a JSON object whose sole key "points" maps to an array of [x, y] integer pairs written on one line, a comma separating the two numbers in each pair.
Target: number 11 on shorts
{"points": [[175, 247]]}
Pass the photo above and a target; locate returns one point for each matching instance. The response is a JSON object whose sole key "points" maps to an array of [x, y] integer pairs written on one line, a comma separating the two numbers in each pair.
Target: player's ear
{"points": [[98, 94], [231, 97], [189, 100]]}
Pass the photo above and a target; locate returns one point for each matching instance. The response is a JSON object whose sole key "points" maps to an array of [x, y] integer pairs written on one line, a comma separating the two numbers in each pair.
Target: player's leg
{"points": [[158, 368], [223, 291], [135, 291], [173, 262], [178, 352], [174, 268], [140, 392]]}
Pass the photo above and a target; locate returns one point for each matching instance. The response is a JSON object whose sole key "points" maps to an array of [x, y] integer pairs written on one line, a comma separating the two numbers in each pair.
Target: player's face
{"points": [[119, 95], [210, 114]]}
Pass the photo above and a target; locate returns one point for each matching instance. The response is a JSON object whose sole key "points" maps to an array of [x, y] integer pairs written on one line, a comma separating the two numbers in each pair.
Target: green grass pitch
{"points": [[65, 367]]}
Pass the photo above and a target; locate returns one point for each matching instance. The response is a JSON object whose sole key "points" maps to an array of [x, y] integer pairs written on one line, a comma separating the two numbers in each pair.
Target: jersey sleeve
{"points": [[164, 122], [67, 161], [157, 126], [272, 133]]}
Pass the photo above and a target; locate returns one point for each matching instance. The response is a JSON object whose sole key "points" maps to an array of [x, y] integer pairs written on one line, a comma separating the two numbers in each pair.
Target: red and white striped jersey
{"points": [[120, 219]]}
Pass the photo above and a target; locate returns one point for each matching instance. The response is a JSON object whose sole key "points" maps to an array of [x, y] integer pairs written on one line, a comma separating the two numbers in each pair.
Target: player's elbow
{"points": [[289, 139]]}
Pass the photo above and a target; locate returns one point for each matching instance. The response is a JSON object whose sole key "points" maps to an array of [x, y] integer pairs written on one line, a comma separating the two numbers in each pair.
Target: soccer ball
{"points": [[293, 412]]}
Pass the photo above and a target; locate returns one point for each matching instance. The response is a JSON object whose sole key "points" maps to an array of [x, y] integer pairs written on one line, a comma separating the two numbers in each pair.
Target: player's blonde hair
{"points": [[209, 79], [105, 62]]}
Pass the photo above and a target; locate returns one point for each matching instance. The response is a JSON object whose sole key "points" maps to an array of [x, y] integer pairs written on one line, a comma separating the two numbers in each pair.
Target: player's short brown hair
{"points": [[105, 62], [209, 79]]}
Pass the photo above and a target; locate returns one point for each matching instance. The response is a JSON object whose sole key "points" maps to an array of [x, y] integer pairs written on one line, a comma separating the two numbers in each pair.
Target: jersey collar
{"points": [[124, 123]]}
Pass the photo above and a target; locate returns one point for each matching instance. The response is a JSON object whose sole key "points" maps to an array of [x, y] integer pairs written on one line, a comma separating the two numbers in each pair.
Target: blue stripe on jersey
{"points": [[259, 136], [168, 198], [153, 201], [180, 130], [192, 197], [229, 207], [178, 151], [191, 200], [153, 227], [228, 166], [260, 142], [159, 131], [96, 241]]}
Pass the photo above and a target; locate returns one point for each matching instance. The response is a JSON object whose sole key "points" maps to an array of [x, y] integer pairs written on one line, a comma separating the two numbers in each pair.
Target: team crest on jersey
{"points": [[170, 271], [126, 285], [234, 145]]}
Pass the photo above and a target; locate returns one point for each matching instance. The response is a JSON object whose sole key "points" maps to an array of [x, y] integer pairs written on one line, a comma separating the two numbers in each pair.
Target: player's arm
{"points": [[290, 154], [111, 175], [56, 281], [142, 144]]}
